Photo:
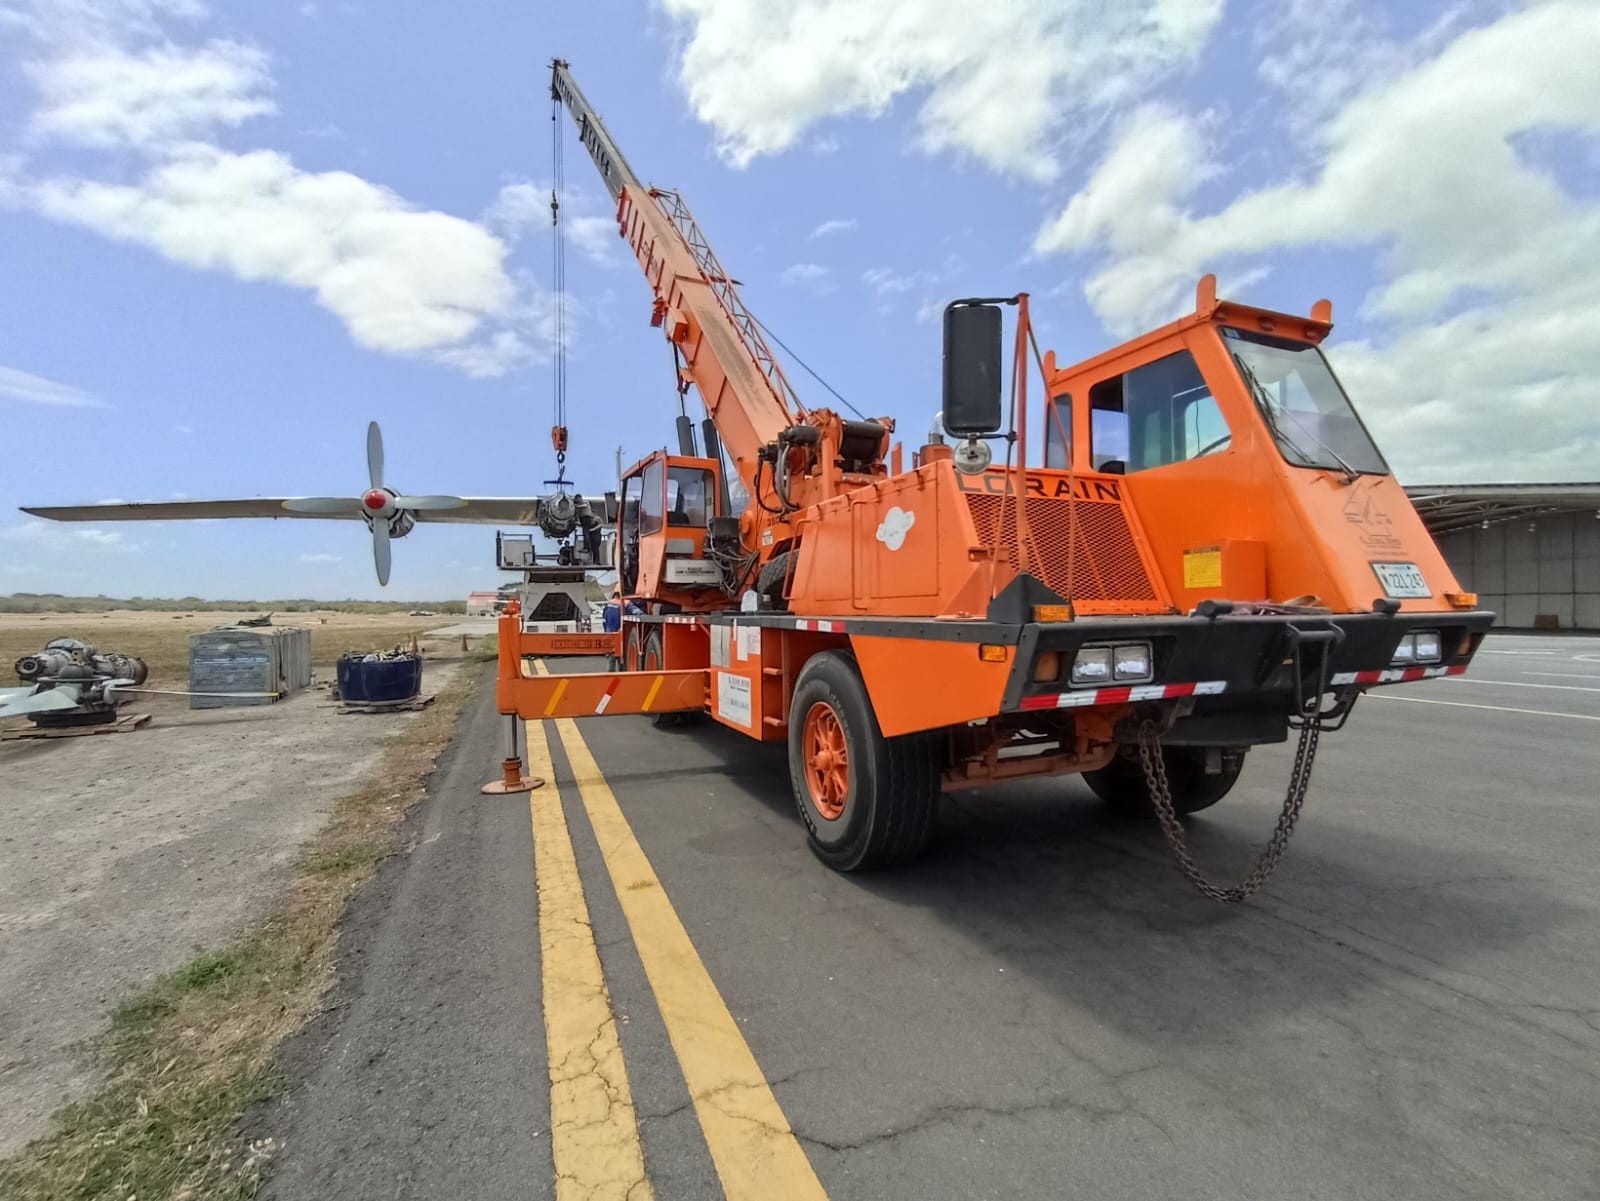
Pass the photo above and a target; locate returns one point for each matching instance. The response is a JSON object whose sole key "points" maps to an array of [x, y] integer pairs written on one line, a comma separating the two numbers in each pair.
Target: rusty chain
{"points": [[1155, 777]]}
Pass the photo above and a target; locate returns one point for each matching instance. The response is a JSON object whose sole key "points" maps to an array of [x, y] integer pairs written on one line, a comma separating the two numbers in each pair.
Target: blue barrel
{"points": [[364, 681]]}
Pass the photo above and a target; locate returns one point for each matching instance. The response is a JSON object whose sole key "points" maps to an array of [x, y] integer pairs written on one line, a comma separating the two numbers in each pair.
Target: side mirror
{"points": [[608, 551], [613, 509], [972, 369]]}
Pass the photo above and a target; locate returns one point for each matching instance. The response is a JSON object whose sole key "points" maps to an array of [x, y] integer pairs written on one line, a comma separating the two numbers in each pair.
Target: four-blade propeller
{"points": [[380, 507]]}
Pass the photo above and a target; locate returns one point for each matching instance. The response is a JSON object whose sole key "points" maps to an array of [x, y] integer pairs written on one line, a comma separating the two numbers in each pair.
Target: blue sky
{"points": [[233, 233]]}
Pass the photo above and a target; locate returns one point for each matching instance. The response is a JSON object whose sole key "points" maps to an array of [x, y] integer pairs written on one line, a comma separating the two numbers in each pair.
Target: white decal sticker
{"points": [[749, 642], [896, 525], [719, 645], [733, 699]]}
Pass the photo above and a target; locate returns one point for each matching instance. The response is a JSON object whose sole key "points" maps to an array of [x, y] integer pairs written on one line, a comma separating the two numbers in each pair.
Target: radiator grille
{"points": [[1105, 565]]}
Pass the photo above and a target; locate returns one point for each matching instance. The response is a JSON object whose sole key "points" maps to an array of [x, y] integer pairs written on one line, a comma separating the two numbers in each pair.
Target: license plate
{"points": [[1402, 580]]}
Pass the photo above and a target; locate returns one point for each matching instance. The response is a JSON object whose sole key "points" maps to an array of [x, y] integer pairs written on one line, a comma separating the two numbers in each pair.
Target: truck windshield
{"points": [[1309, 415]]}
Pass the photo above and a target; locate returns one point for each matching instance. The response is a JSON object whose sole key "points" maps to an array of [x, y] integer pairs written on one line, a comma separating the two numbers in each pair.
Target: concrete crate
{"points": [[237, 659]]}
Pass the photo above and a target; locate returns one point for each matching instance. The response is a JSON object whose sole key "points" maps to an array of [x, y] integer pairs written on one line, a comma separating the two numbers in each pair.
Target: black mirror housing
{"points": [[972, 369], [613, 509]]}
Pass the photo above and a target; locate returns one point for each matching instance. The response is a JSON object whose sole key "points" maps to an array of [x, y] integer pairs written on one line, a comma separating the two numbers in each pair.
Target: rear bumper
{"points": [[1230, 662]]}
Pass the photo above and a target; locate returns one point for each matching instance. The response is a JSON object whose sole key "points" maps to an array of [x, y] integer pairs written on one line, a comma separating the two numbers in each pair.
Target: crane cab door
{"points": [[667, 505]]}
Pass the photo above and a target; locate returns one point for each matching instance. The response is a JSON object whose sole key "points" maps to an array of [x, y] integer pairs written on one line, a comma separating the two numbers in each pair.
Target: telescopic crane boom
{"points": [[724, 354]]}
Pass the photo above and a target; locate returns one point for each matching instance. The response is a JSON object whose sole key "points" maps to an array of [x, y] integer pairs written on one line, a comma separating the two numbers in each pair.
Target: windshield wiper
{"points": [[1271, 409]]}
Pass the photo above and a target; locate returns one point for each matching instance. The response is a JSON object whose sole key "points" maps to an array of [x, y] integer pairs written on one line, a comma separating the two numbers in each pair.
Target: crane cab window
{"points": [[652, 512], [688, 496], [1160, 413], [1058, 433], [632, 491]]}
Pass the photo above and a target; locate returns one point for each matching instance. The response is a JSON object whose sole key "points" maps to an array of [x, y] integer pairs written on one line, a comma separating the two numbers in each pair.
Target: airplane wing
{"points": [[176, 510], [478, 510], [488, 510]]}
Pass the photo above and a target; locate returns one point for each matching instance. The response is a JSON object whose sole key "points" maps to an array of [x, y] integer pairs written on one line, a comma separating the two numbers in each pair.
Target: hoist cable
{"points": [[802, 363], [559, 281]]}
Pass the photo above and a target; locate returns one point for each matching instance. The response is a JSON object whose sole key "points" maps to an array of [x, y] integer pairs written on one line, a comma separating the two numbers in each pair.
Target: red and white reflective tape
{"points": [[1396, 675], [1119, 696], [681, 620], [610, 692], [820, 627]]}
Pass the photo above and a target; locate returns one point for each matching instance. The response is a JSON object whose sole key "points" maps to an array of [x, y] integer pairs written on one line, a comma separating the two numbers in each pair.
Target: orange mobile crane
{"points": [[1209, 552]]}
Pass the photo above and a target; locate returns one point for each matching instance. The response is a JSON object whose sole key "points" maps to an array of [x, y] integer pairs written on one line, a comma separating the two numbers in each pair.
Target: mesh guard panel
{"points": [[1104, 569]]}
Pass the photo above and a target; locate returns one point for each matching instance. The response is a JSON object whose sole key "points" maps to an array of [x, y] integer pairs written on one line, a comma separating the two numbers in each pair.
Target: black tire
{"points": [[893, 794], [1121, 785], [632, 649], [774, 575], [653, 658]]}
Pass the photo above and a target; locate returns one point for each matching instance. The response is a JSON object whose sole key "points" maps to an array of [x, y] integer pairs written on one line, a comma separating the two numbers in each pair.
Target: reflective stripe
{"points": [[1117, 696], [1395, 675]]}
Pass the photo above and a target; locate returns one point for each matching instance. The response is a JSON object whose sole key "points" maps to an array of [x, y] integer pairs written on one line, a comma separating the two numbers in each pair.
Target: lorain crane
{"points": [[1204, 551]]}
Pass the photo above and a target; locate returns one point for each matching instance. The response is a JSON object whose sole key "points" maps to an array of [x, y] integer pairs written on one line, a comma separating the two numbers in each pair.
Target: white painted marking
{"points": [[1417, 700], [1510, 684], [1571, 675], [1488, 652]]}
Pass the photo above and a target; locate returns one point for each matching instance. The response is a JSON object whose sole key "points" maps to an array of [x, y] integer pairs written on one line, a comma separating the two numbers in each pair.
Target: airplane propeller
{"points": [[388, 514], [379, 506]]}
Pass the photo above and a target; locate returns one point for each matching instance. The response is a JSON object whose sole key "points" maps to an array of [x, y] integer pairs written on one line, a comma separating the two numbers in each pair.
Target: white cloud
{"points": [[321, 558], [403, 280], [834, 225], [1489, 269], [807, 275], [35, 389], [885, 281], [522, 207], [95, 22], [110, 97], [1003, 81], [54, 535]]}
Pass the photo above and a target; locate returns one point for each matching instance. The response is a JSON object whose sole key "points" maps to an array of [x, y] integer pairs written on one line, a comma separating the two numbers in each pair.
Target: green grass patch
{"points": [[187, 1056]]}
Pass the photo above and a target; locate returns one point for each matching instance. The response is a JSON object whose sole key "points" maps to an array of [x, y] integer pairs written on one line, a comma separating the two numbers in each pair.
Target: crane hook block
{"points": [[558, 438]]}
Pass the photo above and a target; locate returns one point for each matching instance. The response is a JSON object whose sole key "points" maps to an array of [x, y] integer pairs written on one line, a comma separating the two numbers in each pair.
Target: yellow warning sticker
{"points": [[1202, 567]]}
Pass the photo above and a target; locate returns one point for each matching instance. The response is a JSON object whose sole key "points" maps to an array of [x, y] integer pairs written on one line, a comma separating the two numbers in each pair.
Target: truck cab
{"points": [[663, 543]]}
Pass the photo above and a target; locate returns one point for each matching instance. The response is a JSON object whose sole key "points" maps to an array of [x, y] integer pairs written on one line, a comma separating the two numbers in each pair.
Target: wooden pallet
{"points": [[407, 706], [128, 721]]}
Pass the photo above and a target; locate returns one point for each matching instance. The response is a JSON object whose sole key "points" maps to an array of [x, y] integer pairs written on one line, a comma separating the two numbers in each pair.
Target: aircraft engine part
{"points": [[69, 659], [558, 515]]}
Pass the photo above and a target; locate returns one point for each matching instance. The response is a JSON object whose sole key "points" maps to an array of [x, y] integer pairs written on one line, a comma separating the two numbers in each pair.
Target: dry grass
{"points": [[188, 1055]]}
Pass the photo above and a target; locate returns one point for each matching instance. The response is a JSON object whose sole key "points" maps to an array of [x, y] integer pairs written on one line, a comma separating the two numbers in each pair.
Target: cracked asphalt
{"points": [[1040, 1008]]}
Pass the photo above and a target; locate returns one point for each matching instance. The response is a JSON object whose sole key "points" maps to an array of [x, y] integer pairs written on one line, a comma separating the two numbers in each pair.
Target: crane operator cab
{"points": [[669, 503]]}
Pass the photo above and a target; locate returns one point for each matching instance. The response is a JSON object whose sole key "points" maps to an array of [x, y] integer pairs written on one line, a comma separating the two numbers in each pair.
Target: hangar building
{"points": [[1530, 551]]}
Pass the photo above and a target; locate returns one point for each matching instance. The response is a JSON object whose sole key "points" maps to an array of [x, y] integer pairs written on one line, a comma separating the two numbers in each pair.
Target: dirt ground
{"points": [[121, 854]]}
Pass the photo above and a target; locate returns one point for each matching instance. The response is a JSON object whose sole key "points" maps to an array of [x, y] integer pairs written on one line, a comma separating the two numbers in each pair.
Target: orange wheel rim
{"points": [[827, 760]]}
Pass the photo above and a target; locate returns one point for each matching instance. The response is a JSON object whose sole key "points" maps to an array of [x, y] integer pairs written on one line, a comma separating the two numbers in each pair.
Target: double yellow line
{"points": [[594, 1127]]}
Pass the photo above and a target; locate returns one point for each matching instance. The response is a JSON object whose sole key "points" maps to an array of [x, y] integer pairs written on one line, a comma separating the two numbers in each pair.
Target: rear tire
{"points": [[653, 658], [866, 800], [774, 575], [1121, 785]]}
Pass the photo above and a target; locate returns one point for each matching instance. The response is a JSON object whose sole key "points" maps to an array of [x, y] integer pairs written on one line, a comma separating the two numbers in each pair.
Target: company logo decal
{"points": [[896, 525]]}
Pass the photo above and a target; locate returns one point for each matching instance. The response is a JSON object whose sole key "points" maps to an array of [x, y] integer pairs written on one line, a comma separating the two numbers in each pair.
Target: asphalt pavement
{"points": [[1040, 1008]]}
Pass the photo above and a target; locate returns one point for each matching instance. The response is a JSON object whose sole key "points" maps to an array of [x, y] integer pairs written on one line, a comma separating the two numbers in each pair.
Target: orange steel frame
{"points": [[865, 539], [1279, 531]]}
